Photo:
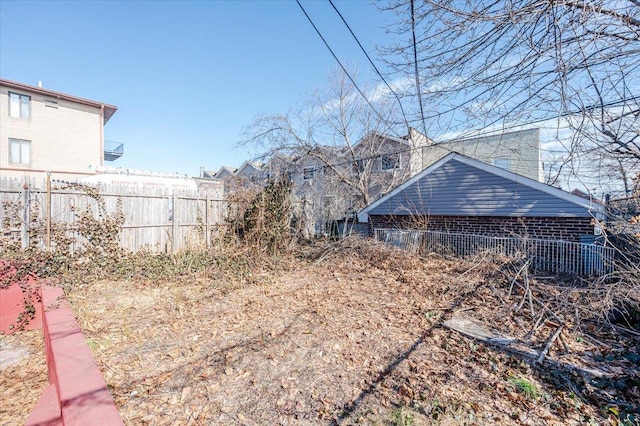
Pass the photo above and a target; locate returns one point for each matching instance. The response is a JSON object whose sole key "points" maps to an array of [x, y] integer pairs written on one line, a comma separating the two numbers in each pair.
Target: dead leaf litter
{"points": [[344, 336]]}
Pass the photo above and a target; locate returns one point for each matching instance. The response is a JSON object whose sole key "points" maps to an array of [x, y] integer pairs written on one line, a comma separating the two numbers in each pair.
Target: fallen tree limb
{"points": [[550, 341], [470, 328]]}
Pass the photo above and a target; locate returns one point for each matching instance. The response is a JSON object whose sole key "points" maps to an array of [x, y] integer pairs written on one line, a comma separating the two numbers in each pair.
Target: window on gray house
{"points": [[19, 106], [19, 151], [502, 162], [358, 166], [390, 161], [309, 172]]}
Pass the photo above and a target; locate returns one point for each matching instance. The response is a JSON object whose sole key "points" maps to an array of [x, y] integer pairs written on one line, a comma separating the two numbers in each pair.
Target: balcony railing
{"points": [[113, 150]]}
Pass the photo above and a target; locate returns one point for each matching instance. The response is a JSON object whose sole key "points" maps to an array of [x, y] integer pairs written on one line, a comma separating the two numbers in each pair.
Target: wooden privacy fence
{"points": [[154, 219], [561, 257]]}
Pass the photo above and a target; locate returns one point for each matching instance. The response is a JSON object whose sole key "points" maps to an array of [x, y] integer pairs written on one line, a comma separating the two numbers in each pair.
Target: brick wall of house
{"points": [[556, 228]]}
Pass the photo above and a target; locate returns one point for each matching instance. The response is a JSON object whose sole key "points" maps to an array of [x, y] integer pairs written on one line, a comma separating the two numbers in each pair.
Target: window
{"points": [[289, 176], [19, 151], [309, 172], [390, 161], [358, 166], [19, 106], [50, 103], [502, 162]]}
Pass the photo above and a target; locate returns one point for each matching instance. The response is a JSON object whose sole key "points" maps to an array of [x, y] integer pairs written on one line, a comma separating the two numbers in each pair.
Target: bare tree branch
{"points": [[488, 62]]}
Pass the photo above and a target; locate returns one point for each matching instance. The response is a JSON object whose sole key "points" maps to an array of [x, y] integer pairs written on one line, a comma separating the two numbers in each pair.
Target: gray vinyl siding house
{"points": [[461, 195]]}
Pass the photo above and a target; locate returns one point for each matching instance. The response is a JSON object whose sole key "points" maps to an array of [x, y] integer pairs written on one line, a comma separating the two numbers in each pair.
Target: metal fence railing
{"points": [[554, 256]]}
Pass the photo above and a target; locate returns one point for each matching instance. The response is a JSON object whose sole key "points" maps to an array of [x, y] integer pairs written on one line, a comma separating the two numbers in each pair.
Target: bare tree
{"points": [[485, 63], [337, 151]]}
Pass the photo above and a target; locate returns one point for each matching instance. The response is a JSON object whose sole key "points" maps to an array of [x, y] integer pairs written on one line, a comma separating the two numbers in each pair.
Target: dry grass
{"points": [[21, 384], [348, 334]]}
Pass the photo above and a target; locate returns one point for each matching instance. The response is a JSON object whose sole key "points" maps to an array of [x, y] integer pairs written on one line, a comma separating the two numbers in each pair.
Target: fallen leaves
{"points": [[350, 337]]}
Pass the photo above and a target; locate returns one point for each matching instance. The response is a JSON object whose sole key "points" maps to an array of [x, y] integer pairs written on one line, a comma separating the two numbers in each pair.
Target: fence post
{"points": [[174, 225], [207, 226], [24, 228], [48, 212]]}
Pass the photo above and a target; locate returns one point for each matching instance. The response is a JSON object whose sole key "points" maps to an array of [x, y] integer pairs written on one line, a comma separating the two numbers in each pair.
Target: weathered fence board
{"points": [[154, 218]]}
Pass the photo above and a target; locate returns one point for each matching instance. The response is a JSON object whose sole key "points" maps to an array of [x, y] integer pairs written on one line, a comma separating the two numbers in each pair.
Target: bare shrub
{"points": [[261, 219]]}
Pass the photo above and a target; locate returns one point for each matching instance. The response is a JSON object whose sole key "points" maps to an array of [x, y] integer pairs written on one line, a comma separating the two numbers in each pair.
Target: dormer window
{"points": [[19, 106]]}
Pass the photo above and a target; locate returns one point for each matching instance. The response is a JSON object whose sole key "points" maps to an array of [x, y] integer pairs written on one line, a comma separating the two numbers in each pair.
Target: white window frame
{"points": [[17, 108], [23, 150]]}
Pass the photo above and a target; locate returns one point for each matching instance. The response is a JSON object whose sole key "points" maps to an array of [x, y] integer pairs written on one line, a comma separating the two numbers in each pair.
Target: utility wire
{"points": [[415, 62], [418, 88], [382, 120], [371, 62]]}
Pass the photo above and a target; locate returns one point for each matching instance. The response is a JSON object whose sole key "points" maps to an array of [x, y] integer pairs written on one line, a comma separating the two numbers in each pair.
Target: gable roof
{"points": [[457, 185], [246, 164], [372, 135], [225, 170], [109, 110]]}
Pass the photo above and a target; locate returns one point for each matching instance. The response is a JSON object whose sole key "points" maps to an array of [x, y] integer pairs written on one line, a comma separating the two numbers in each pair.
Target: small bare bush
{"points": [[261, 219]]}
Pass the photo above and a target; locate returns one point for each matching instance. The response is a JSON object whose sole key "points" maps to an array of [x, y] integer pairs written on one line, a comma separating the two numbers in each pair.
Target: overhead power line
{"points": [[340, 63], [371, 62], [415, 62]]}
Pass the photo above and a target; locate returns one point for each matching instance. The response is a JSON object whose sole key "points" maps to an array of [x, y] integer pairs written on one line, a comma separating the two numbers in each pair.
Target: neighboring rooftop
{"points": [[109, 110]]}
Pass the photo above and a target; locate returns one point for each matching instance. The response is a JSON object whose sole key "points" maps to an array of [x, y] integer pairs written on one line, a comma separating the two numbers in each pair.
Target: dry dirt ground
{"points": [[341, 337]]}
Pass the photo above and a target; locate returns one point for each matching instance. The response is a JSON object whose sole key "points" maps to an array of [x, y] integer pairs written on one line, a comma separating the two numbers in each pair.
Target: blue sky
{"points": [[187, 76]]}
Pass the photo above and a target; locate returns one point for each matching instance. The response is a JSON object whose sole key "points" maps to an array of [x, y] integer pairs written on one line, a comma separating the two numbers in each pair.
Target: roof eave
{"points": [[109, 110], [363, 215]]}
